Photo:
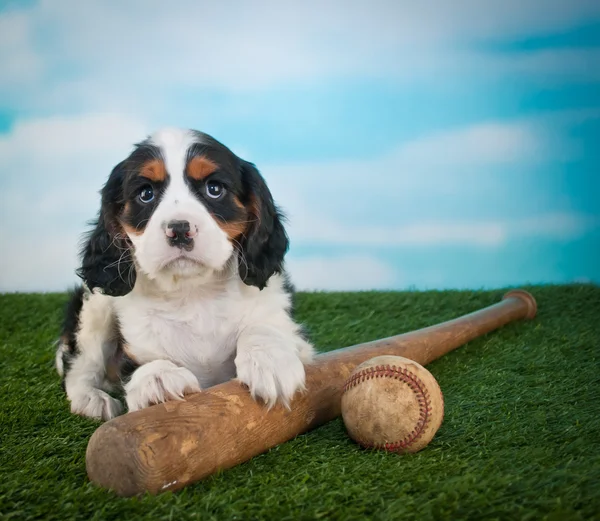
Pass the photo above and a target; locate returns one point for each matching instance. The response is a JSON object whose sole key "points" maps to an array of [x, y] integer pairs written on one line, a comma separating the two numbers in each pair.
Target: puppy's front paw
{"points": [[271, 374], [95, 403], [157, 382]]}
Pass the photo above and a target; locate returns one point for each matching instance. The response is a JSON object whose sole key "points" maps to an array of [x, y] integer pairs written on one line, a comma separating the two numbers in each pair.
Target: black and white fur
{"points": [[168, 308]]}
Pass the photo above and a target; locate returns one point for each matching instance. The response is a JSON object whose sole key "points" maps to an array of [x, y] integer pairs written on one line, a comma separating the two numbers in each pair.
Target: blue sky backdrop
{"points": [[430, 145]]}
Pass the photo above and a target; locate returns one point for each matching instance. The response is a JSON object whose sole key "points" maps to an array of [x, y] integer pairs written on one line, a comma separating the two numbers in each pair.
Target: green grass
{"points": [[520, 439]]}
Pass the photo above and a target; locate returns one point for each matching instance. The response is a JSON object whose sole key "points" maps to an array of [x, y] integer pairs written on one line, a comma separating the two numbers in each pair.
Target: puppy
{"points": [[184, 284]]}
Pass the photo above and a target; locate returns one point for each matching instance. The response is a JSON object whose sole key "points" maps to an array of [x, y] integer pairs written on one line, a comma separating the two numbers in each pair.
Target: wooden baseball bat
{"points": [[173, 444]]}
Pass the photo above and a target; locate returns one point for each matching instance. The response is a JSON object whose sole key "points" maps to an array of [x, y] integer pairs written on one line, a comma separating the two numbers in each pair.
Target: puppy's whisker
{"points": [[119, 267], [238, 247], [142, 223], [131, 275], [250, 221], [118, 237], [123, 257], [120, 259]]}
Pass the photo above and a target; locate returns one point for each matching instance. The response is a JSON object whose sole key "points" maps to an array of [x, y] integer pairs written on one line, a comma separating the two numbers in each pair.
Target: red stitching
{"points": [[415, 384]]}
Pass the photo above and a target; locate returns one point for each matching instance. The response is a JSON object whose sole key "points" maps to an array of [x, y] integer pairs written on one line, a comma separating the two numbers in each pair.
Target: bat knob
{"points": [[526, 297]]}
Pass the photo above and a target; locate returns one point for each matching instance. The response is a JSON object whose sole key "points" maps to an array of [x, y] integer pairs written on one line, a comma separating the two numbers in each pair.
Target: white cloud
{"points": [[84, 137], [483, 143], [56, 166], [439, 176], [42, 260], [432, 160], [459, 186], [387, 201], [107, 54], [481, 233], [341, 273], [328, 231], [20, 62], [557, 226]]}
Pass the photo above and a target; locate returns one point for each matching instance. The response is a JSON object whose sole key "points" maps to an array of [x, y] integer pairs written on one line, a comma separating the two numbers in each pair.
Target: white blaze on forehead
{"points": [[172, 138], [174, 144]]}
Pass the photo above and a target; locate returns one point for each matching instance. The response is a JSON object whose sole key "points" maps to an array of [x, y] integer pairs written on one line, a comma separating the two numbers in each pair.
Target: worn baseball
{"points": [[392, 403]]}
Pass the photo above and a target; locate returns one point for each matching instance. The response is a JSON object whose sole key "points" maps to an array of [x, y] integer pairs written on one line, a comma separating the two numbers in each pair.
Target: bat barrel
{"points": [[170, 445]]}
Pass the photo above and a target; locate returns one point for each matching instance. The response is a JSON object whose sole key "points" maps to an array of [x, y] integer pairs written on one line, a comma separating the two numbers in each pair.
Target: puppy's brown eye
{"points": [[146, 194], [214, 189]]}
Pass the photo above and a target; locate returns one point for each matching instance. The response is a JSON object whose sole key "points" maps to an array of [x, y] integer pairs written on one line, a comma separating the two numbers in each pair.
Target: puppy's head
{"points": [[181, 206]]}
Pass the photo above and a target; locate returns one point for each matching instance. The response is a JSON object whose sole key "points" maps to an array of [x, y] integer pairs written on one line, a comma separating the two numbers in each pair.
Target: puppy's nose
{"points": [[179, 234]]}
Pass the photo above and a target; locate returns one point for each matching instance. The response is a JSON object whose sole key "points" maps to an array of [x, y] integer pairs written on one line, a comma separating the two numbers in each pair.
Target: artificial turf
{"points": [[520, 438]]}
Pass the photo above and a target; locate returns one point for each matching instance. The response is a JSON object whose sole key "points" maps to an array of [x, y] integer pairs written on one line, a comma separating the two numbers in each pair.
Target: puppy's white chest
{"points": [[197, 335]]}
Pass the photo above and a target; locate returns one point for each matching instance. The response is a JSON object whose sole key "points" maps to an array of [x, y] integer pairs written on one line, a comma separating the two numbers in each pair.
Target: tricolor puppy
{"points": [[184, 284]]}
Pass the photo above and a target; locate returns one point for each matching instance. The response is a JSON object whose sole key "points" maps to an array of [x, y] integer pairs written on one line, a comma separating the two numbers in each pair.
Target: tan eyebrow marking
{"points": [[200, 167], [154, 170]]}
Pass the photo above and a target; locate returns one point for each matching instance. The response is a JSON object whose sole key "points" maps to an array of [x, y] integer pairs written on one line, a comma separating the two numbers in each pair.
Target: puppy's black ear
{"points": [[265, 242], [106, 256]]}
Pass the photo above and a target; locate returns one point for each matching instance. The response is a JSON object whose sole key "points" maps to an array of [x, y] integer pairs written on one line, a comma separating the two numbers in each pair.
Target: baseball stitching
{"points": [[415, 384]]}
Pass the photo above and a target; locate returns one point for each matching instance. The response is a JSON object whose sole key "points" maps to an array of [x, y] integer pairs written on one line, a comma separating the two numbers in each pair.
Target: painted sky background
{"points": [[427, 145]]}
